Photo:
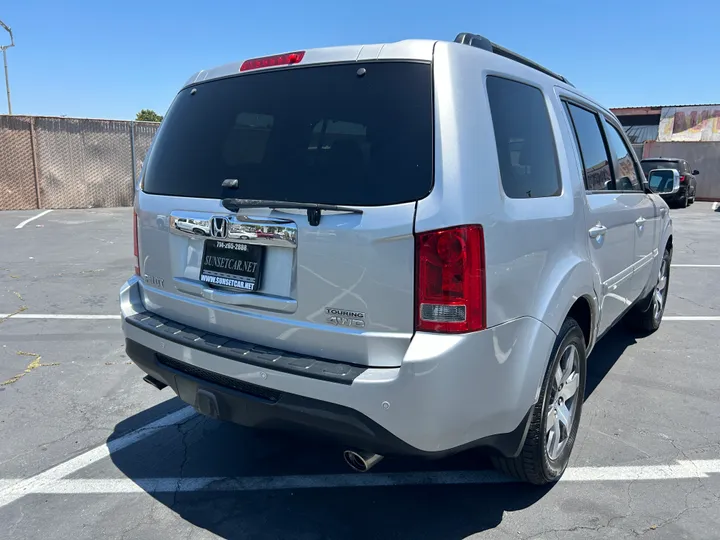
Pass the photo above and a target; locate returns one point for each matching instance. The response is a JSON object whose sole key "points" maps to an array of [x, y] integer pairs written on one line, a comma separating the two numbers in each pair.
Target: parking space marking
{"points": [[681, 470], [38, 483], [695, 265], [59, 316], [679, 318], [41, 214]]}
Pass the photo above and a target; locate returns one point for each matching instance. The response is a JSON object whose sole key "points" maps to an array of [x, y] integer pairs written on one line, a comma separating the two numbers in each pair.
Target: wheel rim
{"points": [[563, 402], [660, 293]]}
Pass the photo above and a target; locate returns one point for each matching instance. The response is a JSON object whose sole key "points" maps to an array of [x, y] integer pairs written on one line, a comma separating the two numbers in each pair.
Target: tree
{"points": [[148, 115]]}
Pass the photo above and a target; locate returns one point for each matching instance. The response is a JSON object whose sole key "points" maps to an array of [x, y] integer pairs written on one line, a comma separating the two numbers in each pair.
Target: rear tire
{"points": [[647, 315], [555, 416], [684, 201]]}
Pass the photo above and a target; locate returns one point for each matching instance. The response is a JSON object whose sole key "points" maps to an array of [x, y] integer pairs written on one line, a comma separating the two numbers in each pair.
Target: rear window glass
{"points": [[316, 134], [648, 166]]}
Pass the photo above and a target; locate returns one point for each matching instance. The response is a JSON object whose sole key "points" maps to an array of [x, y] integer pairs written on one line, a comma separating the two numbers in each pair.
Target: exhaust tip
{"points": [[152, 381], [361, 461]]}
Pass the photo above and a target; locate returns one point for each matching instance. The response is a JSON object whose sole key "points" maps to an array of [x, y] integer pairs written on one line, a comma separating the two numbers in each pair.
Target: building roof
{"points": [[653, 109]]}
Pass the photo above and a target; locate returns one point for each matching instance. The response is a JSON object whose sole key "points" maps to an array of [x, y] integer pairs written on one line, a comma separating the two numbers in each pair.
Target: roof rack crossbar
{"points": [[481, 42]]}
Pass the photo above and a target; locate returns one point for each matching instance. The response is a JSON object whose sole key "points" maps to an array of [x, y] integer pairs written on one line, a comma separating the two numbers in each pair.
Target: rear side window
{"points": [[626, 173], [648, 166], [325, 134], [596, 163], [524, 139]]}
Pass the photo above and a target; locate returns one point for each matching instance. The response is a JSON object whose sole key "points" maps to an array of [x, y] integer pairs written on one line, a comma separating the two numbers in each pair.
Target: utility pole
{"points": [[4, 51]]}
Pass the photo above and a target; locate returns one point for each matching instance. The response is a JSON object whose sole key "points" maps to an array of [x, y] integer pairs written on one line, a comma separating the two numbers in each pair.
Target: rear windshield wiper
{"points": [[314, 210]]}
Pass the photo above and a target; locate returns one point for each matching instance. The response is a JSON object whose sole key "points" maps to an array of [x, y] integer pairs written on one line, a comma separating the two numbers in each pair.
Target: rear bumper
{"points": [[675, 197], [451, 392], [254, 406]]}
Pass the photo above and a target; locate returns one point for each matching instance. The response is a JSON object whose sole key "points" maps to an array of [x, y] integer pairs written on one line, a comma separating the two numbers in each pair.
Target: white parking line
{"points": [[37, 484], [118, 317], [60, 316], [53, 481], [678, 471], [695, 265], [41, 214], [4, 484], [677, 318]]}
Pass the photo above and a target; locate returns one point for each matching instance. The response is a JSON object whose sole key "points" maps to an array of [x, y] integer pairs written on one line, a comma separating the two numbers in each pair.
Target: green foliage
{"points": [[148, 115]]}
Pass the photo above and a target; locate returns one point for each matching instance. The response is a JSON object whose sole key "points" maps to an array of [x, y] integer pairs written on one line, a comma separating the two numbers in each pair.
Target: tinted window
{"points": [[592, 149], [524, 138], [626, 174], [315, 134], [649, 165]]}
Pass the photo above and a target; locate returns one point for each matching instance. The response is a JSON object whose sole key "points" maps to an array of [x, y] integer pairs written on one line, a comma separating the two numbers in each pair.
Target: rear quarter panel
{"points": [[536, 249]]}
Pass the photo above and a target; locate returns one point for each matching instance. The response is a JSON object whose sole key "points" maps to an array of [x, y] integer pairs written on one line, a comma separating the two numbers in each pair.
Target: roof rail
{"points": [[481, 42]]}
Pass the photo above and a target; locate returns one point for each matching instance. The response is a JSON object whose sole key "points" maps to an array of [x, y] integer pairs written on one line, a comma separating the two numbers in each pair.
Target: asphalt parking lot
{"points": [[87, 450]]}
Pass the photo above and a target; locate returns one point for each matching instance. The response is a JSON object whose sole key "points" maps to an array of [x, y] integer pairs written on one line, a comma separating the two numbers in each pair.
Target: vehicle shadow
{"points": [[606, 353], [205, 448]]}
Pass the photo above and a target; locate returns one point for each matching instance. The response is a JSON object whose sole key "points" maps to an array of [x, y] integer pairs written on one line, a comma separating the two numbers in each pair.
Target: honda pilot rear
{"points": [[310, 233]]}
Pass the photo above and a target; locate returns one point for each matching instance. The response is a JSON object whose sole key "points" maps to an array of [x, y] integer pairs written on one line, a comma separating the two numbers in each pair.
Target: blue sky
{"points": [[111, 59]]}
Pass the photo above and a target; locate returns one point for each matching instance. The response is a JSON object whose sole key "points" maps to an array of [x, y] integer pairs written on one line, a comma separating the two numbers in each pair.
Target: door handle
{"points": [[640, 222], [597, 230]]}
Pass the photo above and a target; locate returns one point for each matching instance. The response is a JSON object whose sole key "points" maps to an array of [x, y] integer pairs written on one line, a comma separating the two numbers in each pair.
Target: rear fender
{"points": [[575, 278]]}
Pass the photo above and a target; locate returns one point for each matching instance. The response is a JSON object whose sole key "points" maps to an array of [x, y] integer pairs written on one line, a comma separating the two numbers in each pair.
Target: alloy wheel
{"points": [[563, 402], [659, 295]]}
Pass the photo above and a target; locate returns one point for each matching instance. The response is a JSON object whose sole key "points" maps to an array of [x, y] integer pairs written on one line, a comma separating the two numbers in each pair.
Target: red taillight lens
{"points": [[136, 251], [682, 178], [270, 61], [450, 295]]}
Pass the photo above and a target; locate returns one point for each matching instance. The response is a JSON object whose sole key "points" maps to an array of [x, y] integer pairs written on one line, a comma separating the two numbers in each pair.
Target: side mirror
{"points": [[664, 181], [695, 172]]}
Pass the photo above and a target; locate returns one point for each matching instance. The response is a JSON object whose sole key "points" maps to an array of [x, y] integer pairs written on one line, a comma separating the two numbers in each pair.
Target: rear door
{"points": [[628, 180], [358, 135], [610, 219]]}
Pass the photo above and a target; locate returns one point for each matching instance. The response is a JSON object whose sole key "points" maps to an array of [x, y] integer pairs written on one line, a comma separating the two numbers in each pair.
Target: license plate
{"points": [[231, 265]]}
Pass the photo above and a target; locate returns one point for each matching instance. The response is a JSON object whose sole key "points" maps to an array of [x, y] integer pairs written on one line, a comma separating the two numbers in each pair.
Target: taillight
{"points": [[136, 251], [450, 273], [682, 178], [270, 61]]}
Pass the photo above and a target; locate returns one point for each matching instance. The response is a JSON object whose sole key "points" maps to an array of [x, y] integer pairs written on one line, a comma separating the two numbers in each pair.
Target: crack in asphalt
{"points": [[33, 365], [19, 310], [698, 304]]}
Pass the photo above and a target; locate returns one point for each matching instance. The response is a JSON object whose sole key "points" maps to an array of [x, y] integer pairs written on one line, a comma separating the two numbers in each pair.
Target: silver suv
{"points": [[410, 248]]}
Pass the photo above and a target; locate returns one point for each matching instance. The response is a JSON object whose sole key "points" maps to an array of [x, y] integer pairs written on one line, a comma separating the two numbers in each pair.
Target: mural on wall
{"points": [[690, 124]]}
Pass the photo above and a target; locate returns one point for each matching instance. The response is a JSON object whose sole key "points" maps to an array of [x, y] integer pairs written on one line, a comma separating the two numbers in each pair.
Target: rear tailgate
{"points": [[342, 289]]}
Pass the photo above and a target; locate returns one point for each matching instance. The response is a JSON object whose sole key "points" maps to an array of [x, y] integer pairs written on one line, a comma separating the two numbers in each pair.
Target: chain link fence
{"points": [[48, 162]]}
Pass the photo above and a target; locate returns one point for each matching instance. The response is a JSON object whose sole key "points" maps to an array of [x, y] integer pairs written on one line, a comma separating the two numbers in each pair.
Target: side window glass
{"points": [[596, 163], [524, 138], [626, 172]]}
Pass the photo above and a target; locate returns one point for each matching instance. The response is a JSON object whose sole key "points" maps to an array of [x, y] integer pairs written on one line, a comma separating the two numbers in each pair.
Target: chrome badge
{"points": [[219, 227], [152, 280], [344, 317]]}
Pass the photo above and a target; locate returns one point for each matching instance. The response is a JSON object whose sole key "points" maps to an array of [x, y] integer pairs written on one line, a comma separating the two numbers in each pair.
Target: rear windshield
{"points": [[330, 134], [648, 166]]}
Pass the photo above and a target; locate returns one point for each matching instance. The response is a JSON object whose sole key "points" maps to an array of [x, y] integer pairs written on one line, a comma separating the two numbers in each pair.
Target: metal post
{"points": [[4, 51], [7, 81], [132, 155], [36, 165]]}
